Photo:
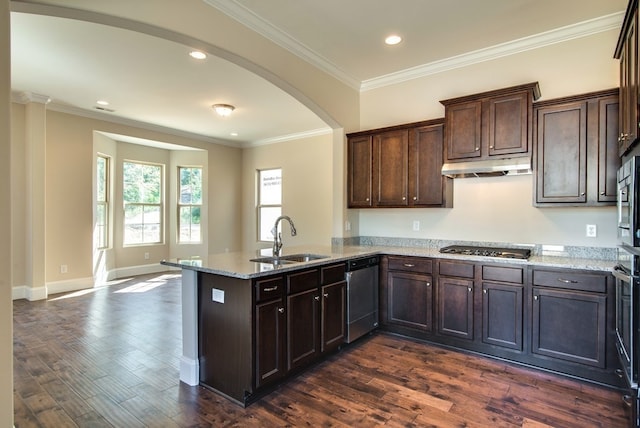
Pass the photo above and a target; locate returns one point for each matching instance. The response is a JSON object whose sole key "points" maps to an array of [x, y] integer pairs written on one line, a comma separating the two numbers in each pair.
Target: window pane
{"points": [[268, 216], [101, 181], [191, 186], [270, 187]]}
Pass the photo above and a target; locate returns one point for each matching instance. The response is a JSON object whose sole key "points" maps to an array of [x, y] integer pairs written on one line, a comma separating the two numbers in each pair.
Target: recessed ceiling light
{"points": [[102, 103], [393, 39], [197, 55], [234, 134]]}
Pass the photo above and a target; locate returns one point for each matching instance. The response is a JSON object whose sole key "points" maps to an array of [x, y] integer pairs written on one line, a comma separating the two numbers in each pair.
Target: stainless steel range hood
{"points": [[488, 168]]}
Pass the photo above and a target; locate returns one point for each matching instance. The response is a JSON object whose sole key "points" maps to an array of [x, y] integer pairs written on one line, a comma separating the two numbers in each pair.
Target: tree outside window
{"points": [[189, 204], [102, 202], [269, 201], [142, 195]]}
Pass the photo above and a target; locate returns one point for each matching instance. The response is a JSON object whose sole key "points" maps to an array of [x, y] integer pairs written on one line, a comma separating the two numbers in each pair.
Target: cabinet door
{"points": [[455, 307], [270, 341], [502, 315], [391, 168], [509, 124], [303, 343], [360, 174], [608, 158], [629, 88], [463, 130], [410, 300], [427, 185], [333, 315], [561, 153], [569, 325]]}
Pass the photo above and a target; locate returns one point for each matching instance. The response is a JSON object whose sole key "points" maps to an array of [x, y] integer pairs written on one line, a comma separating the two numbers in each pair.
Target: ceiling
{"points": [[152, 81]]}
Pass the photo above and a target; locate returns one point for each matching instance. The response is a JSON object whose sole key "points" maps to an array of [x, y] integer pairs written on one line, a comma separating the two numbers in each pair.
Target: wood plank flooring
{"points": [[109, 357]]}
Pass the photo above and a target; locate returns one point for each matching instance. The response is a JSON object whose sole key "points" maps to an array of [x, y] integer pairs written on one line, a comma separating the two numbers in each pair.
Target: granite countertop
{"points": [[238, 264]]}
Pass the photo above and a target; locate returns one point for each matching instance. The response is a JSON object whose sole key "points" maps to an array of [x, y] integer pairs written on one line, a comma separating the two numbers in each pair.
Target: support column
{"points": [[35, 172]]}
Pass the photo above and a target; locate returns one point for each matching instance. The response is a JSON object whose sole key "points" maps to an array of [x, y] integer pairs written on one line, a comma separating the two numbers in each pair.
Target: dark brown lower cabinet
{"points": [[410, 300], [303, 344], [455, 307], [270, 325], [569, 325], [333, 318], [502, 315]]}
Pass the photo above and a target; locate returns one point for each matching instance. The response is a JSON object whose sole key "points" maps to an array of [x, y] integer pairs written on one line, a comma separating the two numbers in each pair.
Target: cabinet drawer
{"points": [[301, 281], [594, 282], [411, 264], [503, 274], [462, 270], [332, 274], [269, 288]]}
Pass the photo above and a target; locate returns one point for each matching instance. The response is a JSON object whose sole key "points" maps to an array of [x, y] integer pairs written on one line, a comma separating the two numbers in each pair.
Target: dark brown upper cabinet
{"points": [[627, 53], [398, 167], [576, 150], [490, 125]]}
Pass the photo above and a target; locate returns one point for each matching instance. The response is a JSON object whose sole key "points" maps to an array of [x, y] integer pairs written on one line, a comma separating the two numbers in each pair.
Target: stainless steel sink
{"points": [[293, 258], [303, 257], [276, 261]]}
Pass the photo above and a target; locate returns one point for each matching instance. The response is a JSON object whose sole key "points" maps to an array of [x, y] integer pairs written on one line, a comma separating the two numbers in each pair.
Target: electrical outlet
{"points": [[416, 225], [63, 268], [592, 231], [146, 256], [347, 225]]}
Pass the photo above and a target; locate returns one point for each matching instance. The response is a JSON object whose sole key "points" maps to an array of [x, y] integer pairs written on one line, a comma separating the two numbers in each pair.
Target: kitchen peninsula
{"points": [[510, 311]]}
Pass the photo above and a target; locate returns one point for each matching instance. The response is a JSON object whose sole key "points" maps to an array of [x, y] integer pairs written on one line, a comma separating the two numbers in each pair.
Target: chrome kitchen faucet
{"points": [[277, 236]]}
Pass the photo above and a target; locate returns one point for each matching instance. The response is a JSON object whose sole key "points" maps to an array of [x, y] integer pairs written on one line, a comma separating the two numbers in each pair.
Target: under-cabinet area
{"points": [[555, 319], [256, 332]]}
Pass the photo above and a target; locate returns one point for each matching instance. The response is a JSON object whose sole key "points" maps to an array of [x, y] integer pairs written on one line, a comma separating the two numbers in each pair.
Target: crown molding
{"points": [[559, 35], [25, 97], [254, 22], [289, 137]]}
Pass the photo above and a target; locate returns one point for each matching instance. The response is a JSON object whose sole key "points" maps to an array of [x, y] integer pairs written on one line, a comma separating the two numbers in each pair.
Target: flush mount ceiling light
{"points": [[102, 103], [393, 39], [197, 55], [223, 110]]}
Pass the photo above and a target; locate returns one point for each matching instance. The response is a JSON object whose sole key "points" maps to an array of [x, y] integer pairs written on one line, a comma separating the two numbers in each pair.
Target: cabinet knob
{"points": [[415, 198], [484, 291], [535, 297], [404, 198], [477, 149], [627, 400], [428, 284], [491, 147], [470, 289], [619, 373], [326, 295], [602, 193], [367, 199], [281, 310], [316, 298], [581, 193]]}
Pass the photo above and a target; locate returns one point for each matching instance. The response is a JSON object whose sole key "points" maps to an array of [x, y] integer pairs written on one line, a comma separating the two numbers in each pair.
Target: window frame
{"points": [[159, 205], [260, 206], [180, 205], [103, 240]]}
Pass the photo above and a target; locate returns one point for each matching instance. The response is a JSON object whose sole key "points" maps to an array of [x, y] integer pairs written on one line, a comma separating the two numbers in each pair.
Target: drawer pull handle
{"points": [[567, 281], [627, 400], [271, 288], [409, 265], [281, 310], [619, 373]]}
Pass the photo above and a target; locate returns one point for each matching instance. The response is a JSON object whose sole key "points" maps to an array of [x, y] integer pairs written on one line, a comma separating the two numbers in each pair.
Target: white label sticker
{"points": [[217, 295]]}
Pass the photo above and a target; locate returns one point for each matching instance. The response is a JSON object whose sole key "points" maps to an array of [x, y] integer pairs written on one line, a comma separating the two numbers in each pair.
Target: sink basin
{"points": [[276, 261], [303, 257], [293, 258]]}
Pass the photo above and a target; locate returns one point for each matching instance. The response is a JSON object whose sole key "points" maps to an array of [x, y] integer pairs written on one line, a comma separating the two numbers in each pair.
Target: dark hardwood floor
{"points": [[109, 357]]}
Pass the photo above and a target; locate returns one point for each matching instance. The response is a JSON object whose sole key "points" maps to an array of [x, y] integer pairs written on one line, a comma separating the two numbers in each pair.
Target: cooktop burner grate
{"points": [[508, 253]]}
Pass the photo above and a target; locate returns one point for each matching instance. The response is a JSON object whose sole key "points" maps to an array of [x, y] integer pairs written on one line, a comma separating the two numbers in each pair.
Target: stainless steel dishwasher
{"points": [[362, 297]]}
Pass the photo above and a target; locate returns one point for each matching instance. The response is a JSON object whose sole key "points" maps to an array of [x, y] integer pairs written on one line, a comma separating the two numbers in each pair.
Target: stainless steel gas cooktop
{"points": [[508, 253]]}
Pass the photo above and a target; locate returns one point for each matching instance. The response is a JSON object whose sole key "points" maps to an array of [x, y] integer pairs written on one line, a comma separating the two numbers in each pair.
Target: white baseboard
{"points": [[40, 293]]}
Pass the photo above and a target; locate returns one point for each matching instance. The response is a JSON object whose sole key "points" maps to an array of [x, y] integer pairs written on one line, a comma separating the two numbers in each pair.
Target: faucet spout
{"points": [[277, 236]]}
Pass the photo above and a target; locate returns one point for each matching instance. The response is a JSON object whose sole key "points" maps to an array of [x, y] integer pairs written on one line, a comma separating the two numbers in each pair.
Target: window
{"points": [[142, 195], [269, 201], [189, 204], [102, 202]]}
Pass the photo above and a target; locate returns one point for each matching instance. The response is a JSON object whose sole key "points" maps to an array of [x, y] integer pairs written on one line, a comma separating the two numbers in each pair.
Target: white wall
{"points": [[496, 209]]}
